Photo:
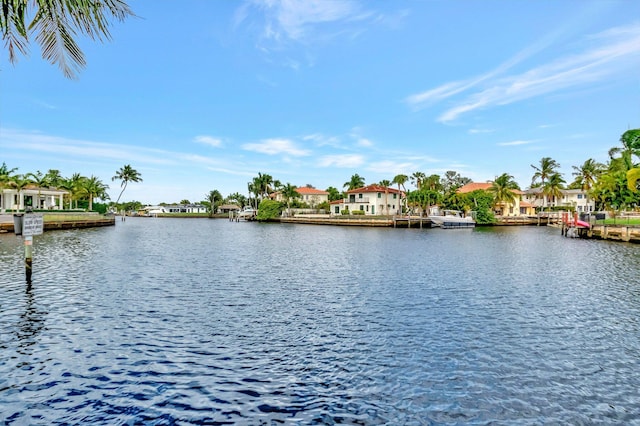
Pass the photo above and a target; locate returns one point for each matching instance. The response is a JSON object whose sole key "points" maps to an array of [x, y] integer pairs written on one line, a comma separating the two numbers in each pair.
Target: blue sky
{"points": [[202, 95]]}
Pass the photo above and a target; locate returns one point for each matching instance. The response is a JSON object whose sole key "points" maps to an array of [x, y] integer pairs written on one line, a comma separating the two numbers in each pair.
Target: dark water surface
{"points": [[190, 321]]}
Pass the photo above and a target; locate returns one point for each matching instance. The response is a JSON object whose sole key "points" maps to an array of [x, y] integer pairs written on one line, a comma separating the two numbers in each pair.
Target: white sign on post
{"points": [[32, 224]]}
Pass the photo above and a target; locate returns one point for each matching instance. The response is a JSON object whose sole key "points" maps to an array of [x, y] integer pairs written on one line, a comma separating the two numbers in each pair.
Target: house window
{"points": [[337, 209], [360, 196], [395, 196], [361, 207], [379, 195], [579, 196], [367, 207]]}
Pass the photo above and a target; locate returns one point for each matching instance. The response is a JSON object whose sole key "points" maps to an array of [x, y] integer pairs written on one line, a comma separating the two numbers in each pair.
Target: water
{"points": [[189, 321]]}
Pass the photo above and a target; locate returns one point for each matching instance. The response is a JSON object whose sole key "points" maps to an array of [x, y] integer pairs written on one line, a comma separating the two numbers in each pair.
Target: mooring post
{"points": [[28, 257]]}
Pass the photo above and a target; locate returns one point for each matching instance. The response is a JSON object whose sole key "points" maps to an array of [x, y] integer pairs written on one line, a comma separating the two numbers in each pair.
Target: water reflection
{"points": [[207, 322], [31, 322]]}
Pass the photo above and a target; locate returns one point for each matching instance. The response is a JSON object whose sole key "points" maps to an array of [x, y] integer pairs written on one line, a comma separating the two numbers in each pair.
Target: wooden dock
{"points": [[624, 233], [391, 221]]}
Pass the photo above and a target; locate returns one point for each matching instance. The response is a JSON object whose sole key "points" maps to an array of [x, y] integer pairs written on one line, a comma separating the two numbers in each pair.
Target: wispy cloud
{"points": [[209, 140], [296, 20], [478, 131], [608, 53], [276, 146], [514, 143], [343, 161]]}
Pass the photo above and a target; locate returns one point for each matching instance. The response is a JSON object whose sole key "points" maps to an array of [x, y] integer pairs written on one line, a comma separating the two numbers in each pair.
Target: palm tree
{"points": [[553, 186], [93, 187], [41, 181], [547, 167], [19, 183], [74, 186], [503, 189], [213, 197], [289, 192], [385, 183], [355, 182], [237, 198], [54, 24], [417, 178], [587, 174], [126, 174], [400, 180]]}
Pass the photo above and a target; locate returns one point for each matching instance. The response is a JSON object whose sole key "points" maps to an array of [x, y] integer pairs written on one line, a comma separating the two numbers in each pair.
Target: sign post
{"points": [[32, 224]]}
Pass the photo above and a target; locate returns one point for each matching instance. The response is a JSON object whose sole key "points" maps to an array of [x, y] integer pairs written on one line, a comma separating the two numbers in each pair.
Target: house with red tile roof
{"points": [[371, 200], [517, 208], [312, 196]]}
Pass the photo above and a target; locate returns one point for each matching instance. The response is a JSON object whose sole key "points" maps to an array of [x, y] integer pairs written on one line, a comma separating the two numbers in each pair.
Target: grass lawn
{"points": [[620, 221]]}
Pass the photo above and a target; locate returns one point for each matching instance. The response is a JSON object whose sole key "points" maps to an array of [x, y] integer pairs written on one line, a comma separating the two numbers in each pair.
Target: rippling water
{"points": [[189, 321]]}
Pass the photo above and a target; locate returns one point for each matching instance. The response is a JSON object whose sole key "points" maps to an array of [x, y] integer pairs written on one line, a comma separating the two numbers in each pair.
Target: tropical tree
{"points": [[93, 187], [400, 180], [543, 171], [334, 194], [587, 174], [355, 182], [289, 192], [126, 174], [452, 180], [237, 198], [6, 174], [53, 177], [55, 23], [74, 186], [547, 167], [386, 183], [503, 189], [19, 183], [552, 188], [432, 182], [633, 176], [213, 198], [417, 178]]}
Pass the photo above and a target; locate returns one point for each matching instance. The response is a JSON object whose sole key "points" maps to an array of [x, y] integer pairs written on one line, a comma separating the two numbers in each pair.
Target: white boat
{"points": [[247, 213], [452, 219]]}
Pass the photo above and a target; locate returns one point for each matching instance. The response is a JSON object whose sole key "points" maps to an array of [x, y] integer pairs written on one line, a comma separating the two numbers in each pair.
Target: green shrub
{"points": [[269, 209], [344, 212], [358, 212]]}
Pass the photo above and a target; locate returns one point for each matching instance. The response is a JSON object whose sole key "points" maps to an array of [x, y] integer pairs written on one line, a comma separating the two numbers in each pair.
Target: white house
{"points": [[186, 208], [372, 200], [32, 196], [312, 196], [574, 198]]}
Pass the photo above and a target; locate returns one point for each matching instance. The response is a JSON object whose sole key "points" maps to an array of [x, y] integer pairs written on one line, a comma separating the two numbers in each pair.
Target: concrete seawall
{"points": [[6, 226], [630, 234]]}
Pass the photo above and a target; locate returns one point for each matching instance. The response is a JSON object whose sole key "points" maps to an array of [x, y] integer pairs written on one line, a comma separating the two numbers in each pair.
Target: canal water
{"points": [[196, 321]]}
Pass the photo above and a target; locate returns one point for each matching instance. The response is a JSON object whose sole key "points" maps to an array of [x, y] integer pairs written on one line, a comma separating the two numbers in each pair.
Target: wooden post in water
{"points": [[28, 258]]}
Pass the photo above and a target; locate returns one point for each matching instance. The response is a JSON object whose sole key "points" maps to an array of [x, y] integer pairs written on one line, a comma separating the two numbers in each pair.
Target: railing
{"points": [[364, 200]]}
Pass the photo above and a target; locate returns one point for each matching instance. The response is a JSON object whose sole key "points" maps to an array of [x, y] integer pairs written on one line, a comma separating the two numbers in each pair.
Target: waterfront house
{"points": [[186, 208], [518, 207], [575, 199], [310, 196], [371, 200], [32, 196]]}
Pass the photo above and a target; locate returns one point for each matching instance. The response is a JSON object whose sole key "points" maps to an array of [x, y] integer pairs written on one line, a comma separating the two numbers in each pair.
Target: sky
{"points": [[200, 95]]}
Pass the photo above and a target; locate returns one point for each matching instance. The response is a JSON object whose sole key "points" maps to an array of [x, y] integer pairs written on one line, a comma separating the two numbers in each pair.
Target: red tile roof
{"points": [[374, 188], [474, 186], [310, 191]]}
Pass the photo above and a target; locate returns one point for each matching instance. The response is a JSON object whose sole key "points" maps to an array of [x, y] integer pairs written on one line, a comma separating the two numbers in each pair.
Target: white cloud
{"points": [[364, 142], [209, 140], [610, 52], [343, 161], [276, 146], [478, 131], [294, 19]]}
